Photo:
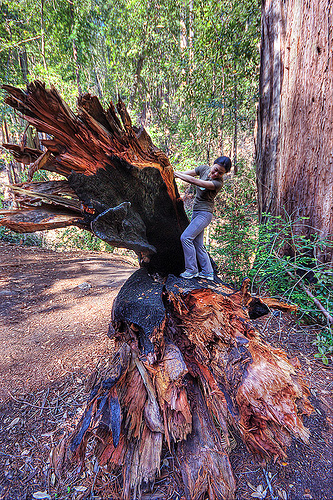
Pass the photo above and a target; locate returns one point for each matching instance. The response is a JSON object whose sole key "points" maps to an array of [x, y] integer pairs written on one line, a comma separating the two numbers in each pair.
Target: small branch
{"points": [[10, 456], [44, 402], [43, 36], [269, 484], [315, 300], [20, 43], [23, 402], [26, 402]]}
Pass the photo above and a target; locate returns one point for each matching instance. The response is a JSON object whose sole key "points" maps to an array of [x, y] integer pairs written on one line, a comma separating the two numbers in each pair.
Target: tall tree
{"points": [[295, 128]]}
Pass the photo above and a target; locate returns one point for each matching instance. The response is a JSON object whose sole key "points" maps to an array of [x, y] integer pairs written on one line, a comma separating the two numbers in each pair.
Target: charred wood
{"points": [[124, 183], [189, 366]]}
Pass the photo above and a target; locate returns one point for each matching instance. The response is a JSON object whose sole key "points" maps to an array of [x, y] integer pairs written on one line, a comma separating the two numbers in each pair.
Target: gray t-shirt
{"points": [[204, 198]]}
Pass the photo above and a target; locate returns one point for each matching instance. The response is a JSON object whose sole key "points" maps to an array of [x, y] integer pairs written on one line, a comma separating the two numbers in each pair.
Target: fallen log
{"points": [[188, 364]]}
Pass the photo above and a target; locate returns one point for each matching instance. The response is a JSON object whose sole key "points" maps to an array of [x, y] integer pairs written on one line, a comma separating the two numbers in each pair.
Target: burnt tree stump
{"points": [[188, 364]]}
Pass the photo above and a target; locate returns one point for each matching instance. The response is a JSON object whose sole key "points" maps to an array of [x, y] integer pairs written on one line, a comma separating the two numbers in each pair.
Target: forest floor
{"points": [[55, 309]]}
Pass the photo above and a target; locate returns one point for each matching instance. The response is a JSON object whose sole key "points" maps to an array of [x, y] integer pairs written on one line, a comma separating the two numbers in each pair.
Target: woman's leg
{"points": [[202, 255], [199, 221]]}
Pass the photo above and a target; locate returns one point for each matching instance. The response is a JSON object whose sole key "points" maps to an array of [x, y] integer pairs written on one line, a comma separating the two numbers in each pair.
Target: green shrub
{"points": [[286, 264], [235, 235], [29, 239], [276, 256], [73, 238]]}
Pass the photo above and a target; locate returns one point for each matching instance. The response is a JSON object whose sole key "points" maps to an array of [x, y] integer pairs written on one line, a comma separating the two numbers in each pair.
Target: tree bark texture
{"points": [[295, 127], [188, 364], [120, 186]]}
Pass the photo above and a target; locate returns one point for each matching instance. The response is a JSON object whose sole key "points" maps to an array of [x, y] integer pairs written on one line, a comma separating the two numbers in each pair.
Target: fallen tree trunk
{"points": [[188, 364]]}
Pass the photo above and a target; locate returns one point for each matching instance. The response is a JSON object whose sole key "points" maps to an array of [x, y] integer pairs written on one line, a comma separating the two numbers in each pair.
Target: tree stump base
{"points": [[188, 366]]}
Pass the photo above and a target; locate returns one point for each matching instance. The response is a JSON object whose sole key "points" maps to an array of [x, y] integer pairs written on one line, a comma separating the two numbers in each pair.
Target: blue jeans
{"points": [[192, 241]]}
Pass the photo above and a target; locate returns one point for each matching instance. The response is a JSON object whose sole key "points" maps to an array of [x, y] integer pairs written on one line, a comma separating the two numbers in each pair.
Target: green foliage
{"points": [[29, 239], [223, 74], [324, 343], [235, 237], [276, 256], [176, 64], [286, 262], [73, 238]]}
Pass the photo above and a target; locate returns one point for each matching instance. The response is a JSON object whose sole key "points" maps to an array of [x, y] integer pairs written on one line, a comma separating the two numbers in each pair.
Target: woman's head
{"points": [[221, 166], [224, 161]]}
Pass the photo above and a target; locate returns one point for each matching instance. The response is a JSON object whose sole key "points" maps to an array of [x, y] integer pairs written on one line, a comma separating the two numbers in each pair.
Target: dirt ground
{"points": [[55, 309]]}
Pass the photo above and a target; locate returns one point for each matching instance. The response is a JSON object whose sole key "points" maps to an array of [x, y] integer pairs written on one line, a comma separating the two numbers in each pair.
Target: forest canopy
{"points": [[189, 71]]}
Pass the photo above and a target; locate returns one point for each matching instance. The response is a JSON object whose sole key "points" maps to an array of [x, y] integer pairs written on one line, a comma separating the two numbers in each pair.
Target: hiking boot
{"points": [[187, 275], [206, 276]]}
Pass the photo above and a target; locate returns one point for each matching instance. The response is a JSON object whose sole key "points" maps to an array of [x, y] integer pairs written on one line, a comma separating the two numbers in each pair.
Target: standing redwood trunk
{"points": [[295, 127]]}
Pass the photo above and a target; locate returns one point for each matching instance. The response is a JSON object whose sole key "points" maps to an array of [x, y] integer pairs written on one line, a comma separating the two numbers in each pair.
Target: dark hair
{"points": [[225, 162]]}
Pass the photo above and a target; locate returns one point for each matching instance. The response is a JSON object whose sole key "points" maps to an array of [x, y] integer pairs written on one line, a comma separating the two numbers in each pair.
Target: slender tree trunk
{"points": [[74, 48], [137, 77], [104, 56], [43, 37], [183, 41], [221, 124], [9, 51], [77, 68], [24, 63], [96, 78], [211, 126], [235, 125], [191, 36], [183, 30], [11, 171], [295, 128]]}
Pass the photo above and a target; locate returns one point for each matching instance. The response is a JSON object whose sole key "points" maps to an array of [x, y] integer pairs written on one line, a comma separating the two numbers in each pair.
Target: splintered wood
{"points": [[209, 371], [119, 185], [188, 364], [262, 389]]}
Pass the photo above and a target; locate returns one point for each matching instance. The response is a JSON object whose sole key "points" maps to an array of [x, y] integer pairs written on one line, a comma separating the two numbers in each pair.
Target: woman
{"points": [[208, 185]]}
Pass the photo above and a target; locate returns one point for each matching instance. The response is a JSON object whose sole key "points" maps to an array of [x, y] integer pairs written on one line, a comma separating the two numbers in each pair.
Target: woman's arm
{"points": [[192, 180], [190, 172]]}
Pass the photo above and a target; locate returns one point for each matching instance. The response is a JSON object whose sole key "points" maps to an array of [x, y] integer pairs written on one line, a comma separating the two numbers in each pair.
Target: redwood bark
{"points": [[295, 127]]}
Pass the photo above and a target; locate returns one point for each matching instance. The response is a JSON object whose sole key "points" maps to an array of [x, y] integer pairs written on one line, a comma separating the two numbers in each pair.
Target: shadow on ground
{"points": [[55, 309]]}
